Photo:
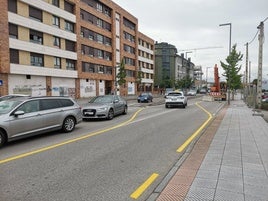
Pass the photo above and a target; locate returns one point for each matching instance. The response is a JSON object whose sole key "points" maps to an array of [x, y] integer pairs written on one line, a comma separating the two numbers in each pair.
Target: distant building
{"points": [[165, 63], [171, 67]]}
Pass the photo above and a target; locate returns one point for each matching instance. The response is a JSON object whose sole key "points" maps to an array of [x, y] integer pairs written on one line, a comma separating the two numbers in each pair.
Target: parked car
{"points": [[203, 91], [105, 107], [26, 116], [191, 92], [175, 99], [6, 97], [145, 97]]}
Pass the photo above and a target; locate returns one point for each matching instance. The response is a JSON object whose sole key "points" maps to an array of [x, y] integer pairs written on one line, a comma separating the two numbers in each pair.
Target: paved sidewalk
{"points": [[228, 163]]}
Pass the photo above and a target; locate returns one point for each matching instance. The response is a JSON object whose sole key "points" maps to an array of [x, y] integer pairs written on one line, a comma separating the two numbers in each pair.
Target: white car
{"points": [[192, 92], [175, 99]]}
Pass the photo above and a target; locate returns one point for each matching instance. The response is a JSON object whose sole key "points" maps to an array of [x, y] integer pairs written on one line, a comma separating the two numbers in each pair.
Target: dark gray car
{"points": [[105, 107], [25, 116]]}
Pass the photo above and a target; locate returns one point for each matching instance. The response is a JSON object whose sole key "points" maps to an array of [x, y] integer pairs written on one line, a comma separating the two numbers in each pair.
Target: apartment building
{"points": [[72, 48], [146, 63]]}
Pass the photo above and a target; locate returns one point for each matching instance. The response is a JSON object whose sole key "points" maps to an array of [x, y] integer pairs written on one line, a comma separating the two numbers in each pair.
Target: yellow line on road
{"points": [[136, 194], [190, 139], [69, 141]]}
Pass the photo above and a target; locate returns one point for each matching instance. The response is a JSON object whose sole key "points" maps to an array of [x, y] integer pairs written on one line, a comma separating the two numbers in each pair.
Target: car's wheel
{"points": [[2, 138], [125, 110], [110, 114], [68, 124]]}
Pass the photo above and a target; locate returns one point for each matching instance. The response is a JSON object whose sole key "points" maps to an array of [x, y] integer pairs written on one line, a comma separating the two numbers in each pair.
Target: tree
{"points": [[231, 69], [185, 82], [121, 74], [138, 79]]}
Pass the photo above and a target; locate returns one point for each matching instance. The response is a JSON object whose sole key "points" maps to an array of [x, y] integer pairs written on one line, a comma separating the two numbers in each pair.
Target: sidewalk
{"points": [[229, 162]]}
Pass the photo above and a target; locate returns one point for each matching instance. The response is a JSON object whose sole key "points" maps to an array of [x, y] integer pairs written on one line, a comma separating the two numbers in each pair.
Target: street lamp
{"points": [[230, 41]]}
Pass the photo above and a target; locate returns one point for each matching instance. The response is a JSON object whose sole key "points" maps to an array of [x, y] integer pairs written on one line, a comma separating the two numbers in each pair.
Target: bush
{"points": [[264, 106]]}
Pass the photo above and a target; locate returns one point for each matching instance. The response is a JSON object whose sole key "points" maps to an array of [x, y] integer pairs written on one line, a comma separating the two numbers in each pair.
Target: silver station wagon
{"points": [[25, 116]]}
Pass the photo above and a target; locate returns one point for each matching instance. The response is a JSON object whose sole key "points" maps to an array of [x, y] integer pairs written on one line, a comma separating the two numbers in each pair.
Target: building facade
{"points": [[72, 48], [171, 67], [165, 64], [146, 63]]}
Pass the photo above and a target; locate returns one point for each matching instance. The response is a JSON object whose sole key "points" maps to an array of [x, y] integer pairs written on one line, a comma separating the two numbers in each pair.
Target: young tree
{"points": [[231, 69], [121, 74]]}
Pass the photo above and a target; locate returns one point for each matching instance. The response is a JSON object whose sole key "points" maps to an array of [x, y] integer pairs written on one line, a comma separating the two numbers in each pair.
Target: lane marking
{"points": [[70, 141], [190, 139], [136, 194]]}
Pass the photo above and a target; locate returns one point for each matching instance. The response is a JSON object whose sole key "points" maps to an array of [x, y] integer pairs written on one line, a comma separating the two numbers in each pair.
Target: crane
{"points": [[200, 48]]}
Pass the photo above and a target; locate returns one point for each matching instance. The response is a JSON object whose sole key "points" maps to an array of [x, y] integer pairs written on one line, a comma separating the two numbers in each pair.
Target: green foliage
{"points": [[121, 74], [139, 77], [185, 82], [231, 69]]}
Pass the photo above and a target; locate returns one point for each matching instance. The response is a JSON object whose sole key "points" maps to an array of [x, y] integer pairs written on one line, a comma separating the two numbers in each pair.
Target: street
{"points": [[101, 160]]}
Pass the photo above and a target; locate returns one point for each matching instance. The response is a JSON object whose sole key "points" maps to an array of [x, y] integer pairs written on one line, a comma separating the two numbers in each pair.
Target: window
{"points": [[70, 64], [13, 30], [129, 61], [56, 41], [101, 69], [68, 7], [12, 6], [56, 21], [57, 62], [99, 22], [37, 59], [14, 56], [31, 106], [69, 26], [35, 14], [107, 12], [99, 38], [129, 24], [36, 37], [69, 45], [100, 53], [129, 49], [56, 3], [49, 104], [99, 7]]}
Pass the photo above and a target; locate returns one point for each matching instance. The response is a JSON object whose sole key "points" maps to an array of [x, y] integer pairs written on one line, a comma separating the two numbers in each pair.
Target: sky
{"points": [[193, 26]]}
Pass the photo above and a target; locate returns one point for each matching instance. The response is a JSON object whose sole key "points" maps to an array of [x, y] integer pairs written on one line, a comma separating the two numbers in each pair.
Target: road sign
{"points": [[1, 82]]}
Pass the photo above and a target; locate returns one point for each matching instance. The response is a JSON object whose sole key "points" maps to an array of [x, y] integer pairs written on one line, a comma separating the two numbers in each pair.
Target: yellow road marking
{"points": [[189, 140], [144, 186], [69, 141]]}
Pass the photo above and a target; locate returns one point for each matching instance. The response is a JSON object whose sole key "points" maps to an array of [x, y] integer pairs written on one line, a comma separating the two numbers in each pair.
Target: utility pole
{"points": [[246, 65], [259, 84]]}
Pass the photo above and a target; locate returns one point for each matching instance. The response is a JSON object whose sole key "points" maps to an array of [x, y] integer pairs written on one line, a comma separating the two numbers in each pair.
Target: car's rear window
{"points": [[175, 94]]}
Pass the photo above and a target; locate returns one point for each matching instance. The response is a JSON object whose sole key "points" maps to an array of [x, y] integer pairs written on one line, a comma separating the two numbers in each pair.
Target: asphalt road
{"points": [[101, 160]]}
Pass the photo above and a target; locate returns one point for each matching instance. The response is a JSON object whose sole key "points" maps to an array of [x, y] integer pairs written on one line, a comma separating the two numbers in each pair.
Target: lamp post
{"points": [[230, 41]]}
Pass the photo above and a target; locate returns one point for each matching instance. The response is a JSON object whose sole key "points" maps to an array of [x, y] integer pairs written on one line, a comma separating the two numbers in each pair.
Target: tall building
{"points": [[74, 48], [165, 62]]}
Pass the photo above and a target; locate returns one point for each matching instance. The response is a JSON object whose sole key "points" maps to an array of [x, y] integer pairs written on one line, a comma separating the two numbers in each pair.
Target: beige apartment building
{"points": [[72, 48]]}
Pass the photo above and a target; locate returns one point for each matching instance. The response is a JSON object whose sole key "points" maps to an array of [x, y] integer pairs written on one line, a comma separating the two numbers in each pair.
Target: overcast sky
{"points": [[193, 24]]}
